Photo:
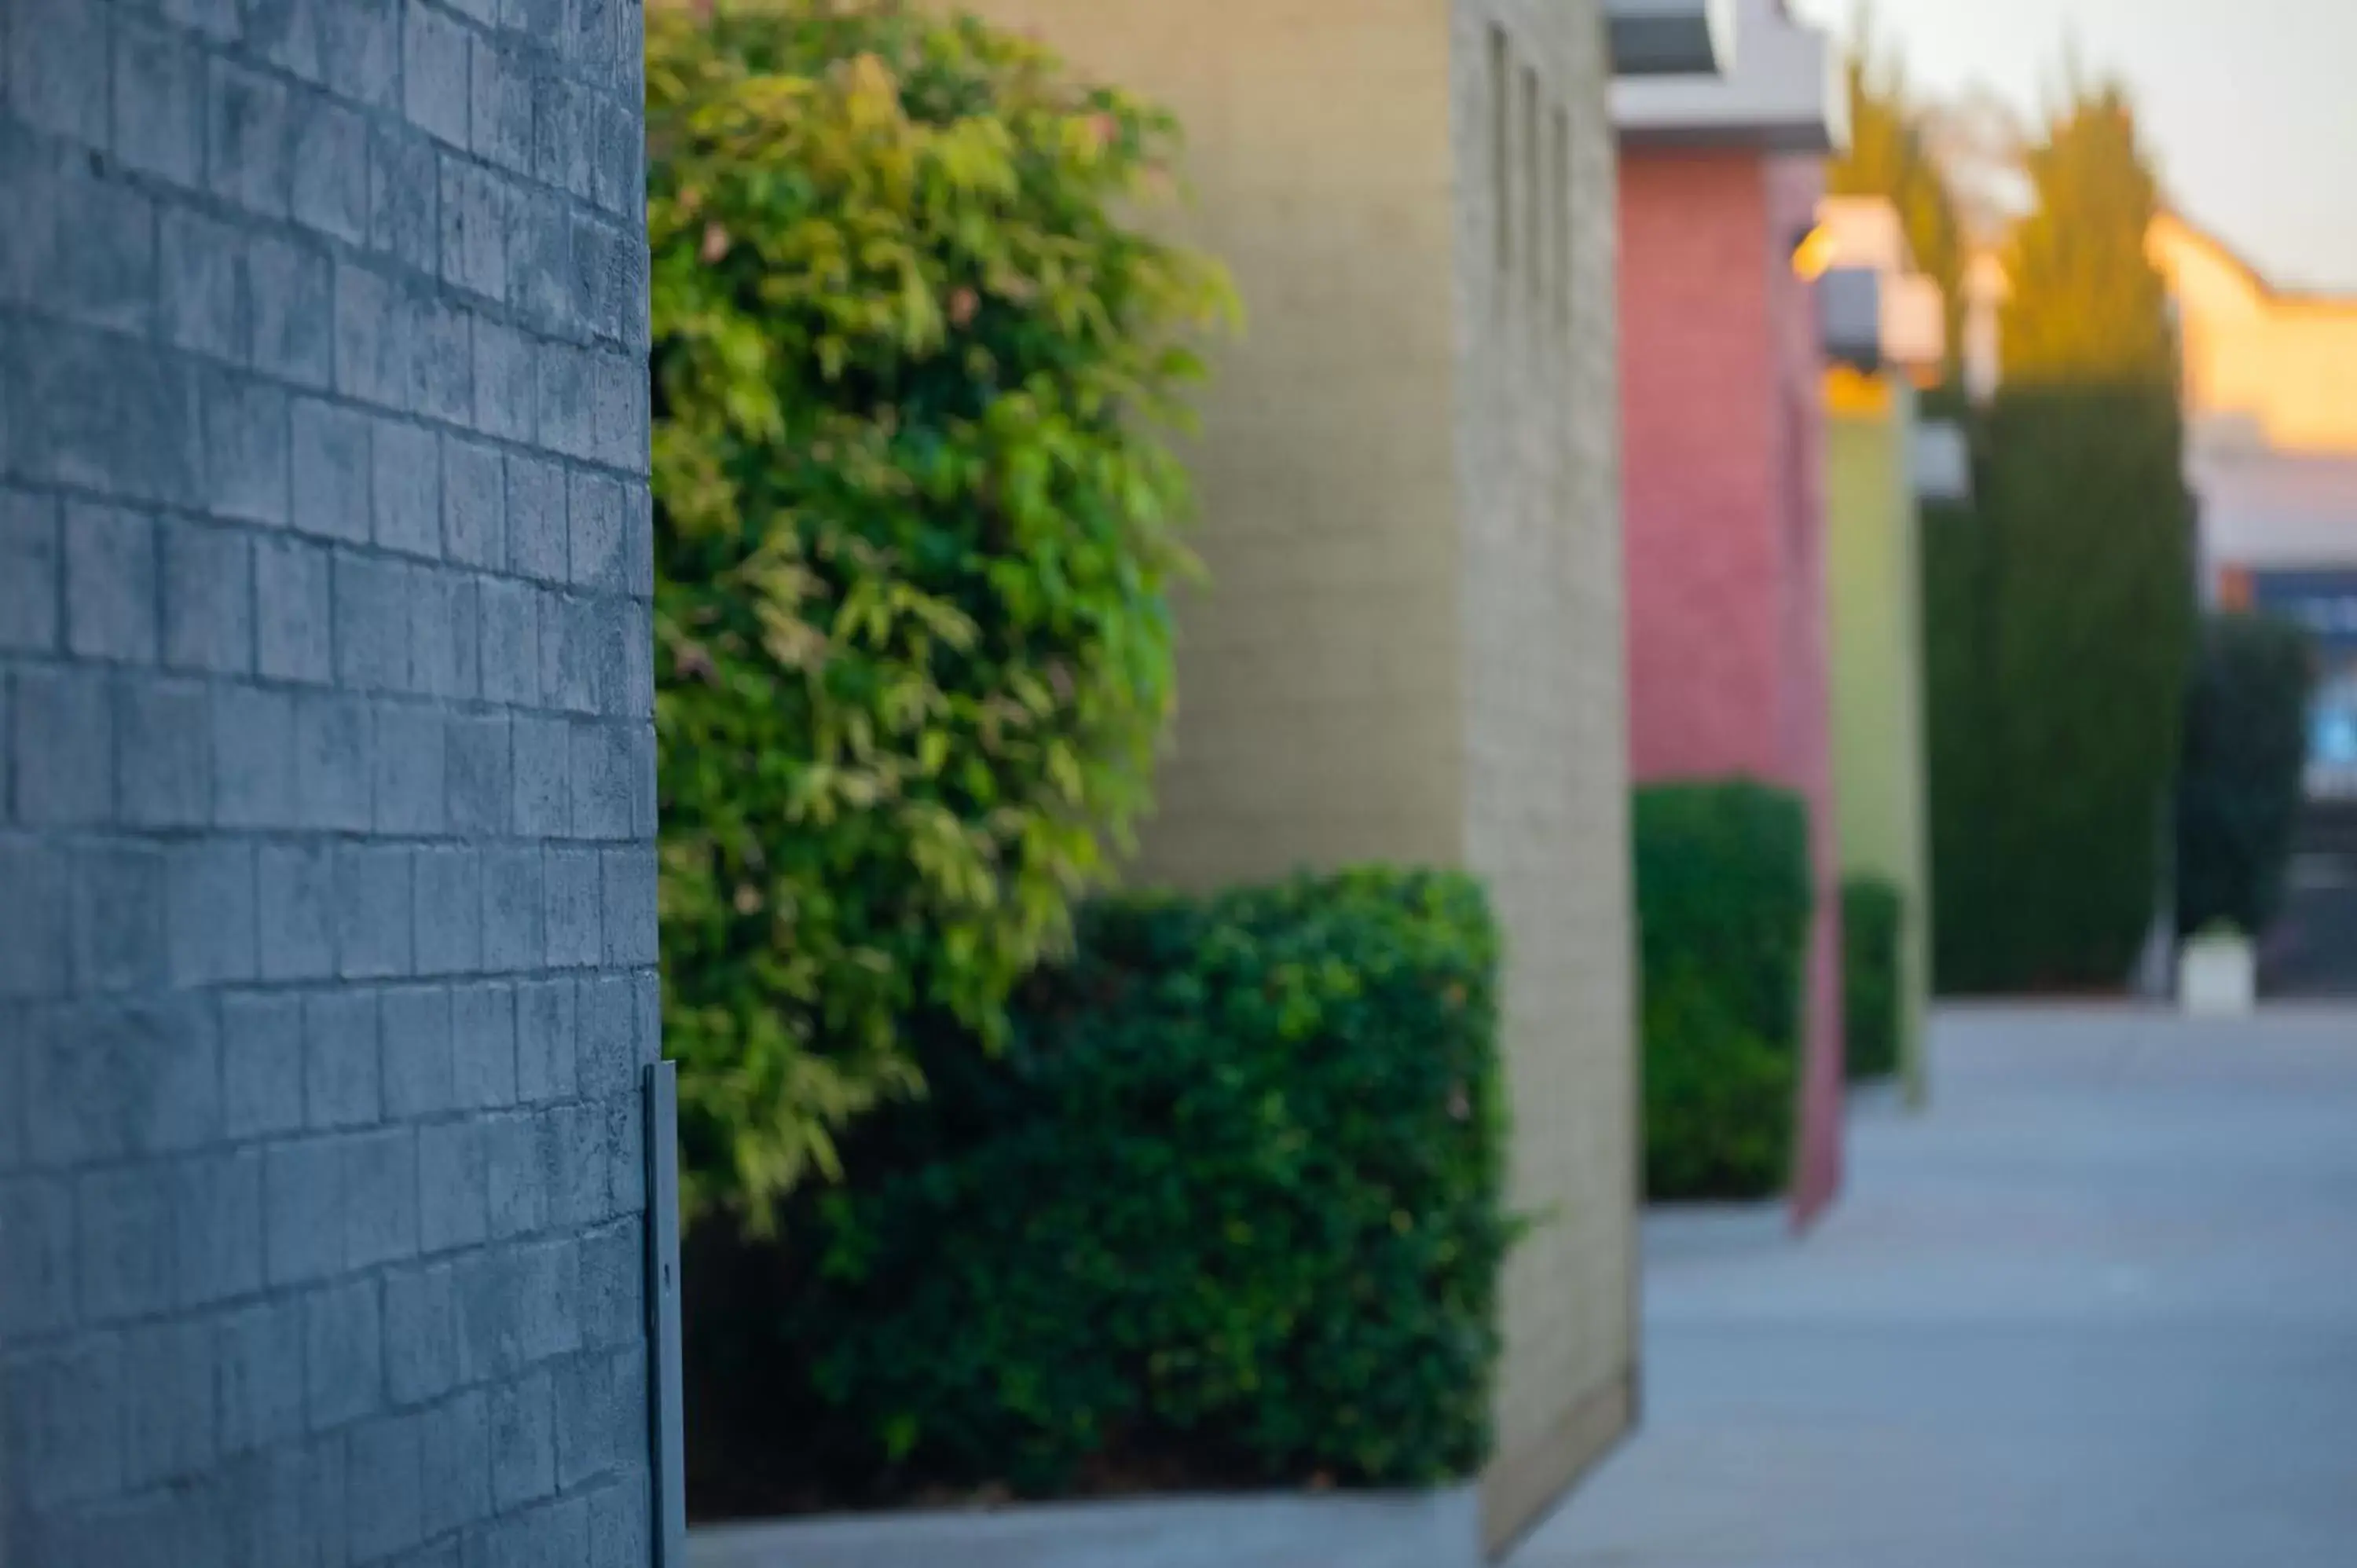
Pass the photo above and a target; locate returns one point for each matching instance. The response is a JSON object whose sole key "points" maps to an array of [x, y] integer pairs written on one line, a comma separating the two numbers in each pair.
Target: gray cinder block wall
{"points": [[327, 800]]}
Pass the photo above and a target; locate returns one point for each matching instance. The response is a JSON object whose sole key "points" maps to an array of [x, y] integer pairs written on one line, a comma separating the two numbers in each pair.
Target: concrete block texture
{"points": [[325, 901], [1411, 649], [1538, 446]]}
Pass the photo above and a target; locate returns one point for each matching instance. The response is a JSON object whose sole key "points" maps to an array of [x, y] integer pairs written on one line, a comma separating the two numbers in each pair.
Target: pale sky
{"points": [[2250, 105]]}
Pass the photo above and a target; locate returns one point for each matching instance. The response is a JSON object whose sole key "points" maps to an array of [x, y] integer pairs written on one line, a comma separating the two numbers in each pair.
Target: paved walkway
{"points": [[2098, 1310]]}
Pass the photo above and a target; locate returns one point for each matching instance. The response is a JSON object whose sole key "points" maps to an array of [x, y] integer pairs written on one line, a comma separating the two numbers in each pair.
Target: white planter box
{"points": [[2217, 977], [1427, 1530]]}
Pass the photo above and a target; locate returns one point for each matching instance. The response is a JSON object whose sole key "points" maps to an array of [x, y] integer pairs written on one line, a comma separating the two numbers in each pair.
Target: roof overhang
{"points": [[1865, 231], [1671, 38], [2269, 510], [1786, 93]]}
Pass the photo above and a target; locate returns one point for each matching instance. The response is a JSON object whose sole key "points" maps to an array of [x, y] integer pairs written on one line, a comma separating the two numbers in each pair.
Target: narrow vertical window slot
{"points": [[1563, 220], [1499, 85], [1534, 228]]}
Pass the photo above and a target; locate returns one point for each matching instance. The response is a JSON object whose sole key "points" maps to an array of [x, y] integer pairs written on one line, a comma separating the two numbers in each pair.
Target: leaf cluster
{"points": [[1230, 1209], [916, 357], [1724, 898], [1874, 922]]}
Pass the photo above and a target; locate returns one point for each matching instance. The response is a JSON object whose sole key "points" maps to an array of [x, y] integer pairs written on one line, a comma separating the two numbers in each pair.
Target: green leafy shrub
{"points": [[1961, 785], [1228, 1210], [1874, 920], [915, 523], [1719, 1099], [2239, 797], [1724, 899]]}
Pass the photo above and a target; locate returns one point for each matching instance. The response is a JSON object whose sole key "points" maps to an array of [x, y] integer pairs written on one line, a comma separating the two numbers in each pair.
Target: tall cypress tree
{"points": [[2080, 583], [2088, 305]]}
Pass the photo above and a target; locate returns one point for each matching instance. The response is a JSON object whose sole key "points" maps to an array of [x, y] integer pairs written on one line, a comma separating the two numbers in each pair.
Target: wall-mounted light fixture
{"points": [[1849, 314]]}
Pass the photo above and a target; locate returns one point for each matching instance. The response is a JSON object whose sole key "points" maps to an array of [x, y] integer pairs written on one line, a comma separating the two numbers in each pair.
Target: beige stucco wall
{"points": [[1411, 648], [1319, 677]]}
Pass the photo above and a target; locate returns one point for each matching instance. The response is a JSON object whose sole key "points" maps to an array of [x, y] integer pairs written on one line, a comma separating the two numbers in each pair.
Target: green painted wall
{"points": [[1872, 528]]}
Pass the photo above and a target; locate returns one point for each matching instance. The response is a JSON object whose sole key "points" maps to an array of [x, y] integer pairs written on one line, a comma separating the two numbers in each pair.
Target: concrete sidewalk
{"points": [[2097, 1310]]}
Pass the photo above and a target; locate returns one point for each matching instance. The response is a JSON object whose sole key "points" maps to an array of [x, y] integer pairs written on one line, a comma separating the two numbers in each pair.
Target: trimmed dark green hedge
{"points": [[2059, 618], [2239, 798], [1723, 896], [1229, 1210], [1874, 922], [1960, 766]]}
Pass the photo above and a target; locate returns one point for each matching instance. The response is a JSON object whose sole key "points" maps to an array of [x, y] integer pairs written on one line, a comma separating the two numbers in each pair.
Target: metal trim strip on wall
{"points": [[665, 1418]]}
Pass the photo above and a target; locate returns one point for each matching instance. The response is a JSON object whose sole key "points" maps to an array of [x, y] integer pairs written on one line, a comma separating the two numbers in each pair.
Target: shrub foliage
{"points": [[1725, 896], [2239, 797], [2059, 614], [1874, 920], [914, 525], [1959, 725], [2059, 609], [1228, 1210]]}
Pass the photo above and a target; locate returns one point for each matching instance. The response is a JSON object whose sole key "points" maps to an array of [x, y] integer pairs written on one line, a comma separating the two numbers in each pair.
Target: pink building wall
{"points": [[1723, 437]]}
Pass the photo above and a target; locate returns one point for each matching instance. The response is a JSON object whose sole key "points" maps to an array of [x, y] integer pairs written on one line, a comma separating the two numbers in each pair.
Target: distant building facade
{"points": [[1411, 648], [1886, 331], [1722, 363], [2271, 424], [2271, 414]]}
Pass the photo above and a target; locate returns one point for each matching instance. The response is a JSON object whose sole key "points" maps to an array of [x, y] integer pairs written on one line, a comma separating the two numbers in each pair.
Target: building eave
{"points": [[1786, 93], [1671, 38]]}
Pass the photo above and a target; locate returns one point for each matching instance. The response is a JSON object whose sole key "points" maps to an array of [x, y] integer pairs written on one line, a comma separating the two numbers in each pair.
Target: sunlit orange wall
{"points": [[2284, 362]]}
